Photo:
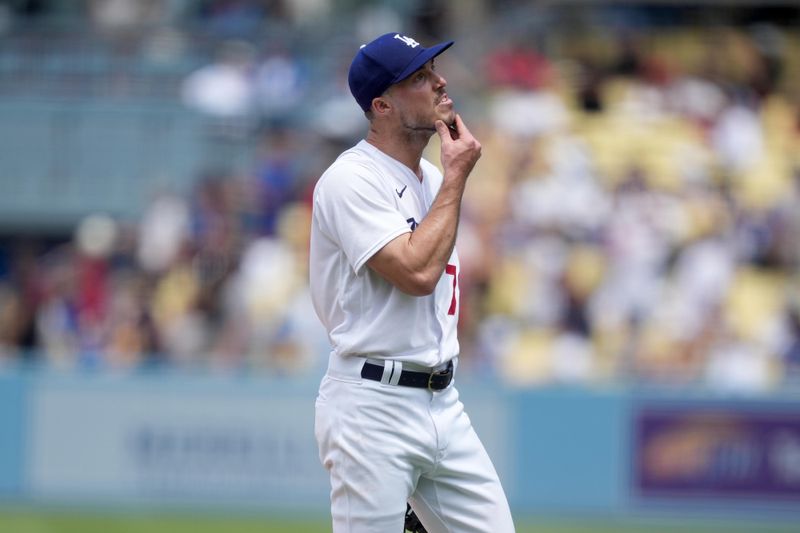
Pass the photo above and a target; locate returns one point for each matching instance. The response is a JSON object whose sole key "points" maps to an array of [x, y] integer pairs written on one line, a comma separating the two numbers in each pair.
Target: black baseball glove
{"points": [[412, 522]]}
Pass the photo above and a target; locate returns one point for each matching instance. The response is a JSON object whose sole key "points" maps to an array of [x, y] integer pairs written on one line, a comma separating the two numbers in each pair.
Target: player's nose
{"points": [[439, 82]]}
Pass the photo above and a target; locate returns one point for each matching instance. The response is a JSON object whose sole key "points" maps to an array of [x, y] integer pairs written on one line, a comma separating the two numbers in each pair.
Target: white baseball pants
{"points": [[385, 444]]}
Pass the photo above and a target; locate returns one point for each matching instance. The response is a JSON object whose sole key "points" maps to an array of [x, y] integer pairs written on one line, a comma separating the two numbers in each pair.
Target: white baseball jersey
{"points": [[363, 201]]}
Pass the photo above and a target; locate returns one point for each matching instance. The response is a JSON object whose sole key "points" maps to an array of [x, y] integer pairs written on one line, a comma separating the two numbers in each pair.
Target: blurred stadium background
{"points": [[631, 241]]}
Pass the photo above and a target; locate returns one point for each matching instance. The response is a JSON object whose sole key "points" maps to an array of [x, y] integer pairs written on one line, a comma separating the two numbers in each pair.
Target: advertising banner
{"points": [[174, 442], [717, 452]]}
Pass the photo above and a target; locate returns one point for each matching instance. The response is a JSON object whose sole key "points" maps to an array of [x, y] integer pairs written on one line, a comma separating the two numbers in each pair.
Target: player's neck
{"points": [[407, 149]]}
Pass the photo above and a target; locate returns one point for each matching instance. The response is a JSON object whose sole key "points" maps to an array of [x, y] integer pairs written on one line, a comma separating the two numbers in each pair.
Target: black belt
{"points": [[409, 378]]}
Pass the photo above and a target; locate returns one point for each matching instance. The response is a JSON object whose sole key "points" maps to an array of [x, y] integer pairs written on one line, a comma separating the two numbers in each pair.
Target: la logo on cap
{"points": [[408, 40]]}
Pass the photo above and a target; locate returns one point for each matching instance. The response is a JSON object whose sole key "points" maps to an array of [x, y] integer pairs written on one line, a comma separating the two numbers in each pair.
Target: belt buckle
{"points": [[439, 373]]}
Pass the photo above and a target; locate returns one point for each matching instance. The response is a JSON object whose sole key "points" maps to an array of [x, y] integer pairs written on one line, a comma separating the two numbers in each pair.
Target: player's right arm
{"points": [[414, 262]]}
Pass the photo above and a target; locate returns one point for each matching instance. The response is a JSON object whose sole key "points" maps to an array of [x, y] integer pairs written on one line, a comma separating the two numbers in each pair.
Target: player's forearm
{"points": [[414, 262], [431, 244], [433, 241], [435, 237]]}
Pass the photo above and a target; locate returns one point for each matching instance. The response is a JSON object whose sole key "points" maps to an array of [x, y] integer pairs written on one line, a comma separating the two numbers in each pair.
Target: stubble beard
{"points": [[417, 130], [420, 128]]}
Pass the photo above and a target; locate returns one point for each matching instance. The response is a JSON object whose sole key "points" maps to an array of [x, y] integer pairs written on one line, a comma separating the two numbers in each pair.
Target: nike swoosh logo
{"points": [[400, 192]]}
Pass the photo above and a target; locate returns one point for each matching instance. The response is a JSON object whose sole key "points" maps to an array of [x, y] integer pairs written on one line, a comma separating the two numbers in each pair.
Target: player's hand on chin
{"points": [[460, 149]]}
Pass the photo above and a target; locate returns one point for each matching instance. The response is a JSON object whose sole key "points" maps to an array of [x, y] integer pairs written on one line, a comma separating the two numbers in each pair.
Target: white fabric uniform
{"points": [[384, 444], [363, 201]]}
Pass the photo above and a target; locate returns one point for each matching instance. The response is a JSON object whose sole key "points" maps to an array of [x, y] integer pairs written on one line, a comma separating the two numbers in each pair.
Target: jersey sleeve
{"points": [[356, 212]]}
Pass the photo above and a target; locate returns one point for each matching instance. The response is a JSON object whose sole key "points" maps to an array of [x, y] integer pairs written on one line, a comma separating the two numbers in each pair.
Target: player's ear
{"points": [[381, 105]]}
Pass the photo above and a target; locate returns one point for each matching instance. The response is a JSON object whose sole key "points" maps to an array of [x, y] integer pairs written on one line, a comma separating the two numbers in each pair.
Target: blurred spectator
{"points": [[277, 175], [589, 80], [57, 320], [337, 119], [523, 102], [131, 336], [224, 88], [737, 136], [181, 326], [279, 85], [163, 232], [518, 66], [10, 324], [696, 98], [21, 294]]}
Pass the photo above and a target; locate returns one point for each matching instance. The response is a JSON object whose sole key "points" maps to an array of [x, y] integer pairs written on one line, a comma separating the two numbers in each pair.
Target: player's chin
{"points": [[446, 115]]}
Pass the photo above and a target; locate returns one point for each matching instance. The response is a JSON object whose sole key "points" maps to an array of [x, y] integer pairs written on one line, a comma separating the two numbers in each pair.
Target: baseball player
{"points": [[384, 282]]}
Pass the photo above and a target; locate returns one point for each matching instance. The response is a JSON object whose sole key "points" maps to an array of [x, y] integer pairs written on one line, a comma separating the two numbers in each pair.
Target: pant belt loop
{"points": [[398, 369], [388, 369]]}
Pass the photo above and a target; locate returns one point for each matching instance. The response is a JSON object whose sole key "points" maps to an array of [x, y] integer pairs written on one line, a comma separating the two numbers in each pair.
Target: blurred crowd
{"points": [[638, 214], [211, 279], [635, 216]]}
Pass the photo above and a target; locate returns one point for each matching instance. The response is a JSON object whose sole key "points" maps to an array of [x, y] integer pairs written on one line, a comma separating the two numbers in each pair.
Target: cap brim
{"points": [[418, 62]]}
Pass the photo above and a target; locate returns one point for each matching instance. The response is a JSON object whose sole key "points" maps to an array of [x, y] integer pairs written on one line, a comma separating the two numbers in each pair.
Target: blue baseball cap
{"points": [[389, 59]]}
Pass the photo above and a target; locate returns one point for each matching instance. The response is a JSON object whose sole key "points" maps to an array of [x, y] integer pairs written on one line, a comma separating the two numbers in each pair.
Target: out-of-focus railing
{"points": [[63, 161]]}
